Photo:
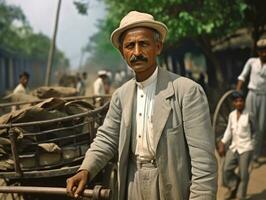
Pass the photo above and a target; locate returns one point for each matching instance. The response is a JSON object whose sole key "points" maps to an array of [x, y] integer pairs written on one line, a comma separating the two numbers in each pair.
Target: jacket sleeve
{"points": [[105, 144], [201, 144]]}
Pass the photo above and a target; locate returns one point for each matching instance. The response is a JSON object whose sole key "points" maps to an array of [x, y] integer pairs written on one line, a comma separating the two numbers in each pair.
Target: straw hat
{"points": [[261, 44], [137, 19], [102, 73]]}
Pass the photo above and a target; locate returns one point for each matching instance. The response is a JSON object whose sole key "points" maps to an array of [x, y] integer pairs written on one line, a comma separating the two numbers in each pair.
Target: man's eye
{"points": [[129, 46], [144, 44]]}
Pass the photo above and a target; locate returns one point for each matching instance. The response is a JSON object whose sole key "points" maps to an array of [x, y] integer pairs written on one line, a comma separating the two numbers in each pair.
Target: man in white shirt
{"points": [[239, 132], [21, 90], [22, 87], [255, 68], [99, 83]]}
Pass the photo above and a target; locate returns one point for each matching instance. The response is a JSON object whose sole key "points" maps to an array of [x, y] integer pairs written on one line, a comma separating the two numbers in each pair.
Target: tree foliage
{"points": [[16, 35], [103, 54], [255, 19]]}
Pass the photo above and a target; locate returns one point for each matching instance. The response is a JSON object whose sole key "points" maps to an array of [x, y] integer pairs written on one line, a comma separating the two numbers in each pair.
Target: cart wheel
{"points": [[220, 117], [113, 184]]}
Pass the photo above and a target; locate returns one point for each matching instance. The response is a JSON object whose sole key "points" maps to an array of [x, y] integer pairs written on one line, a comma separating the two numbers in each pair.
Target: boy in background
{"points": [[239, 134]]}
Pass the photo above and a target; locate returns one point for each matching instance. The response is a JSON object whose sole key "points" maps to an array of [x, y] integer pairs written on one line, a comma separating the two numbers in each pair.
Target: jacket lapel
{"points": [[162, 108], [128, 102], [127, 99], [127, 106]]}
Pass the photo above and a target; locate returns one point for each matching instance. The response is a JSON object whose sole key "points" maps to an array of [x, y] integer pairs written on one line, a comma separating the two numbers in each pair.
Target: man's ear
{"points": [[159, 47]]}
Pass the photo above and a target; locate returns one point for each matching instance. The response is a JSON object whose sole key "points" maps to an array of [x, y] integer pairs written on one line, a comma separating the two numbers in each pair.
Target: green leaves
{"points": [[17, 35], [81, 6]]}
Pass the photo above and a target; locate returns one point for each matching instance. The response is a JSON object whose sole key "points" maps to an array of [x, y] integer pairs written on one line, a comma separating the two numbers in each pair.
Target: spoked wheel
{"points": [[220, 120], [221, 114], [113, 184], [108, 179]]}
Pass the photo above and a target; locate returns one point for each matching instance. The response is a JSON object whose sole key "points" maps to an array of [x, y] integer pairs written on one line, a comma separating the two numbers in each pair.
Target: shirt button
{"points": [[141, 95], [139, 136], [140, 114]]}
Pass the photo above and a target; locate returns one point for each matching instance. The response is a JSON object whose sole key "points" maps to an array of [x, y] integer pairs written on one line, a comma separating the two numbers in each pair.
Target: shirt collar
{"points": [[150, 80]]}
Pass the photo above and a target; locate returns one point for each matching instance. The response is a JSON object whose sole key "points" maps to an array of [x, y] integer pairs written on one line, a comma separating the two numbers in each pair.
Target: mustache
{"points": [[138, 58]]}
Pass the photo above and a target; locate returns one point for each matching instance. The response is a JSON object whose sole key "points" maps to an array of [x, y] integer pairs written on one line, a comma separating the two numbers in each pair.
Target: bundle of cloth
{"points": [[55, 91], [40, 93]]}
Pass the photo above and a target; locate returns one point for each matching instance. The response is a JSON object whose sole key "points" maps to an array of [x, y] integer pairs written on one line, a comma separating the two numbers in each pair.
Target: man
{"points": [[158, 125], [239, 134], [99, 83], [255, 68], [21, 91], [22, 87], [81, 84]]}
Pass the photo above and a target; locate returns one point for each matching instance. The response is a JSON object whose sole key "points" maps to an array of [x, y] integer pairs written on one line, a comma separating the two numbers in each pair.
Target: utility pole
{"points": [[81, 57], [52, 47]]}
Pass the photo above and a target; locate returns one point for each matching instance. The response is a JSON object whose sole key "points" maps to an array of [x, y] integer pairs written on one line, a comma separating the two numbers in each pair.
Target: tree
{"points": [[255, 19], [16, 35], [12, 21], [103, 54]]}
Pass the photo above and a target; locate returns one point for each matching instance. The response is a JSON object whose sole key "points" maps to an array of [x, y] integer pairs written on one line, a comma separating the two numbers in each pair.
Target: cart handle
{"points": [[98, 193]]}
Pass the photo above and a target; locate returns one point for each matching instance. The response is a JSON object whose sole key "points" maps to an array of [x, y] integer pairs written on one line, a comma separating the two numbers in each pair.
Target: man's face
{"points": [[24, 81], [140, 50], [262, 55], [239, 103]]}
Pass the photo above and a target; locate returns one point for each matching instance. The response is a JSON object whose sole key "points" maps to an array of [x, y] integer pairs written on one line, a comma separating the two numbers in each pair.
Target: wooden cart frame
{"points": [[24, 176]]}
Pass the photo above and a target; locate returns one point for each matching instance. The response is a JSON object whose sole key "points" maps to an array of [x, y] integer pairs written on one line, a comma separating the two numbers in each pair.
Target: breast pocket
{"points": [[175, 138]]}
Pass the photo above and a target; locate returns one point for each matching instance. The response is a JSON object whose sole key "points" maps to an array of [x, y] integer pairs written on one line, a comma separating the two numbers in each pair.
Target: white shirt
{"points": [[20, 89], [98, 87], [257, 72], [239, 132], [143, 142]]}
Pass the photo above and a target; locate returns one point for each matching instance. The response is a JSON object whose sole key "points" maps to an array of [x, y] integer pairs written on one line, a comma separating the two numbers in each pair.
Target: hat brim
{"points": [[158, 26]]}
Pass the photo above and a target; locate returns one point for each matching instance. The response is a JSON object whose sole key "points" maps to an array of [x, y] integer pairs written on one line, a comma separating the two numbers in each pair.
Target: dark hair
{"points": [[26, 74], [238, 94]]}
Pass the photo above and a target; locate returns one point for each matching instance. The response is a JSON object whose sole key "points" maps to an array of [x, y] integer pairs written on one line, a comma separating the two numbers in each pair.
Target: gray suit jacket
{"points": [[183, 136]]}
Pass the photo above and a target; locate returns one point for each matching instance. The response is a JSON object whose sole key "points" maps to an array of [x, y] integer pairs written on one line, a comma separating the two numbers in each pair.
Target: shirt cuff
{"points": [[241, 78], [223, 140]]}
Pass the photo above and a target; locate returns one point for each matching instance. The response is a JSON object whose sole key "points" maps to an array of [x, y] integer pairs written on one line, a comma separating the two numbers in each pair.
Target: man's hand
{"points": [[221, 148], [77, 183]]}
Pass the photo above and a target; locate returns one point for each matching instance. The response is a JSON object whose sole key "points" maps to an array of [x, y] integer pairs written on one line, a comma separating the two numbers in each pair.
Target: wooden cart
{"points": [[72, 135]]}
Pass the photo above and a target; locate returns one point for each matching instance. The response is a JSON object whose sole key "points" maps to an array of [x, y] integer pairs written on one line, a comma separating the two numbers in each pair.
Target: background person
{"points": [[239, 133], [22, 87], [99, 83], [81, 84], [255, 69]]}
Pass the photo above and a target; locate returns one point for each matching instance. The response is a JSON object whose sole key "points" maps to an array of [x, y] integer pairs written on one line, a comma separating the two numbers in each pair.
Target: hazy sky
{"points": [[74, 29]]}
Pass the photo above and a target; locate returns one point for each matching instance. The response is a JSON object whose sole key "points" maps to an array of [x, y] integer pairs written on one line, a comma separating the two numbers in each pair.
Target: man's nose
{"points": [[137, 50]]}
